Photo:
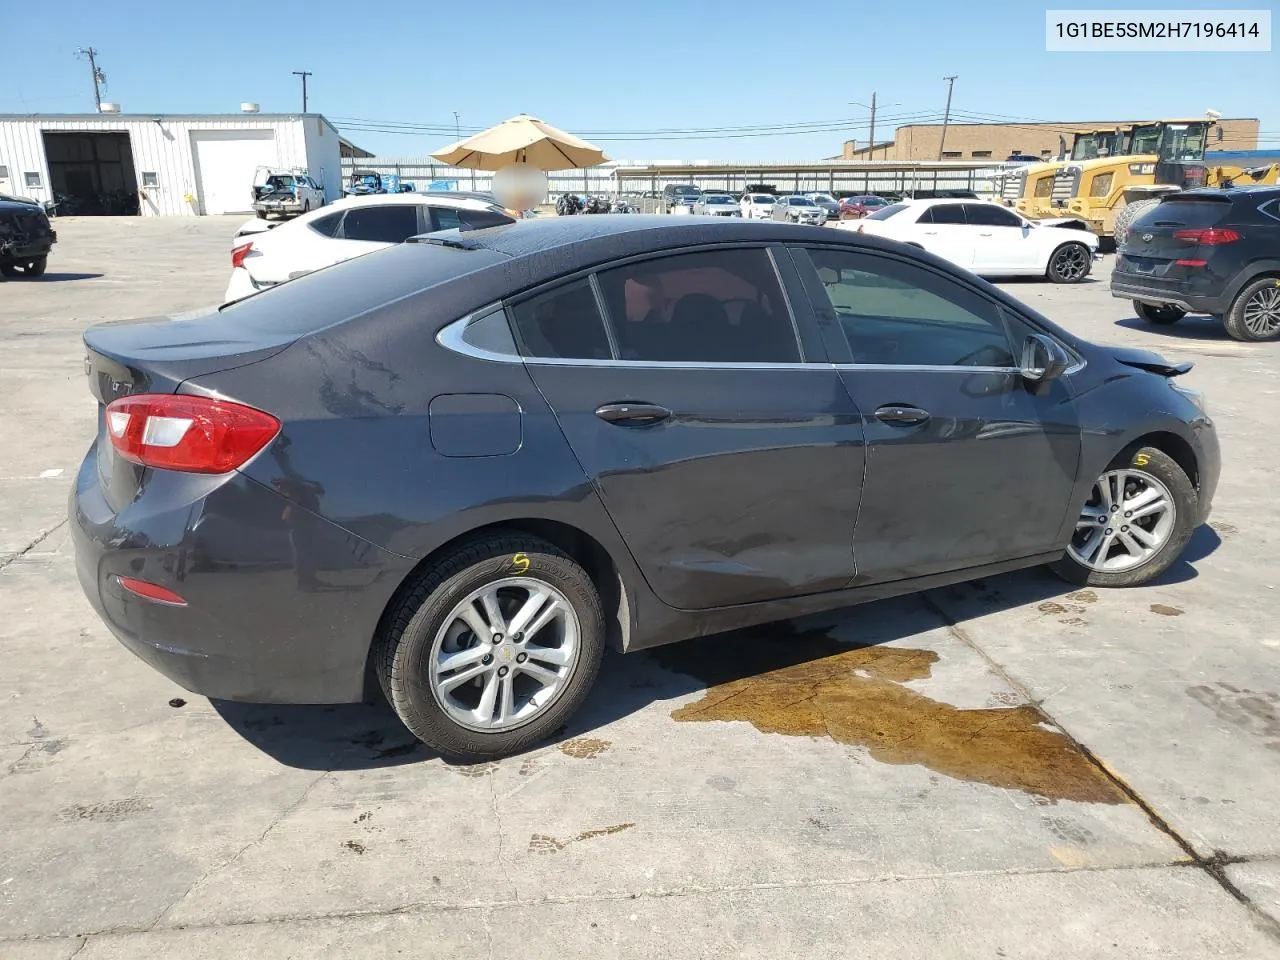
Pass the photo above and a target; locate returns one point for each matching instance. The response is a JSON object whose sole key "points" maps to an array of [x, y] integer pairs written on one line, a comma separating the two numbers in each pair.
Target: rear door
{"points": [[942, 230], [967, 463], [1000, 240], [730, 462]]}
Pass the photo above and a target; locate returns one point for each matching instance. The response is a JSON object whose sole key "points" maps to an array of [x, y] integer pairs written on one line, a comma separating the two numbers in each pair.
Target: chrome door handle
{"points": [[899, 415], [984, 234], [637, 414], [931, 233]]}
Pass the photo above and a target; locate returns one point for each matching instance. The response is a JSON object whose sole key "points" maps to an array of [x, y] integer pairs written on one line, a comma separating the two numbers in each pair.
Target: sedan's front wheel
{"points": [[1138, 517], [1070, 263], [493, 649]]}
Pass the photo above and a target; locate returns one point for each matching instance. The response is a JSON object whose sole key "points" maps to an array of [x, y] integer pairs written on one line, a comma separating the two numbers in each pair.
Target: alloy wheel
{"points": [[1126, 521], [504, 654], [1262, 312], [1071, 262]]}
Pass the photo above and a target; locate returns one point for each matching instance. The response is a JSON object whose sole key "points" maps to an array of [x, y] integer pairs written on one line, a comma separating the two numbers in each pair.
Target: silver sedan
{"points": [[799, 210], [717, 205]]}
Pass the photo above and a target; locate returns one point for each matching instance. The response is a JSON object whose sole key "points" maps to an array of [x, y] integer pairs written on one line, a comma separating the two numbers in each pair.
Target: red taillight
{"points": [[193, 434], [1191, 263], [239, 253], [1207, 236], [151, 591]]}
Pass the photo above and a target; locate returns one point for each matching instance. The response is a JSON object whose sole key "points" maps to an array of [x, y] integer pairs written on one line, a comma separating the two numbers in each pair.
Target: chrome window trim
{"points": [[450, 336]]}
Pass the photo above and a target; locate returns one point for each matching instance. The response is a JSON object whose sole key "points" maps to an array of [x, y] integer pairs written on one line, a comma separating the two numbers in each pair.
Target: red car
{"points": [[855, 208]]}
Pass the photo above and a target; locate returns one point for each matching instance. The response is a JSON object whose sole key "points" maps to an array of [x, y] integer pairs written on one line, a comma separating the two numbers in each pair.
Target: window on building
{"points": [[4, 172], [714, 307], [31, 179], [150, 179], [951, 154], [1045, 154], [980, 154]]}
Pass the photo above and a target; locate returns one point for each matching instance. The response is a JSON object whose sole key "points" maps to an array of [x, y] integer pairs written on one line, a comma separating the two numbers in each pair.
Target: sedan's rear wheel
{"points": [[494, 649], [1139, 515], [1162, 314], [1070, 263]]}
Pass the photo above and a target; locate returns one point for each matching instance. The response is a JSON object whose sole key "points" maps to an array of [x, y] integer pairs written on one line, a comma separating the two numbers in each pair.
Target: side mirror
{"points": [[1042, 359]]}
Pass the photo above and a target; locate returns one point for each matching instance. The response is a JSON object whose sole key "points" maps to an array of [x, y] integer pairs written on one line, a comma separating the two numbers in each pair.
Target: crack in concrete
{"points": [[41, 538], [218, 867], [426, 906], [502, 839], [84, 942], [1214, 866]]}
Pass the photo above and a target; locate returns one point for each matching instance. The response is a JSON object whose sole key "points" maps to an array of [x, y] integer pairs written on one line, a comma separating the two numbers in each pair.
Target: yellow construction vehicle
{"points": [[1029, 189]]}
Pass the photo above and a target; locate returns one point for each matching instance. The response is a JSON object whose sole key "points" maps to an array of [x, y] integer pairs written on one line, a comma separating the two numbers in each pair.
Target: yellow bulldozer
{"points": [[1142, 164], [1029, 189]]}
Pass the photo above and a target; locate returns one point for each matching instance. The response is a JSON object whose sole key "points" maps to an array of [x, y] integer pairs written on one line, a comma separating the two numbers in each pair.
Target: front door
{"points": [[730, 466], [1001, 240], [967, 463]]}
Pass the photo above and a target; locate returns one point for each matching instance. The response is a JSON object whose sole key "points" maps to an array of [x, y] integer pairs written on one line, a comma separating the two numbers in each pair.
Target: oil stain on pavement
{"points": [[805, 683]]}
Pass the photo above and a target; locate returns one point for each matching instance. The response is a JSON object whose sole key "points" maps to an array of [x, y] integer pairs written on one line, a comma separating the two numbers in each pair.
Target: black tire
{"points": [[1069, 263], [403, 649], [1124, 219], [1187, 510], [1254, 315], [9, 269], [262, 214], [1163, 315], [36, 267]]}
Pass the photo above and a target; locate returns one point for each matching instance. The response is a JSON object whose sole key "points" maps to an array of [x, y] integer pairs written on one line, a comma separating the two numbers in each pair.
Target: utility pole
{"points": [[872, 139], [946, 116], [303, 74], [99, 78], [457, 130]]}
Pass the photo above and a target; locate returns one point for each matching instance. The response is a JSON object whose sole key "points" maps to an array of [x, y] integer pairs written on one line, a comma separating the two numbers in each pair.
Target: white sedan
{"points": [[987, 238], [345, 229], [757, 206]]}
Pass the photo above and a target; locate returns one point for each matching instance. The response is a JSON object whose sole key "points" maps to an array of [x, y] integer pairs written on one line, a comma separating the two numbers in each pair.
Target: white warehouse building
{"points": [[163, 165]]}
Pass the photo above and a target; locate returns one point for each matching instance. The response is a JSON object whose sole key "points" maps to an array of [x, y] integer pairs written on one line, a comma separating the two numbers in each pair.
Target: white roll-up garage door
{"points": [[225, 164]]}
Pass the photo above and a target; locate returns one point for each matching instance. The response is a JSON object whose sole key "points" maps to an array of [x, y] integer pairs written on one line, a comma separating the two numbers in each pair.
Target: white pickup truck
{"points": [[285, 192]]}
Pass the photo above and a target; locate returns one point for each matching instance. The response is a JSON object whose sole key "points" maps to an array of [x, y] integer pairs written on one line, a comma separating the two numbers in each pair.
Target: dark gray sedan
{"points": [[464, 465]]}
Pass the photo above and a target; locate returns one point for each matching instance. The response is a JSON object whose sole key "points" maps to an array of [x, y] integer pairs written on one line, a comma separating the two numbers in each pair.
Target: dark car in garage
{"points": [[462, 466]]}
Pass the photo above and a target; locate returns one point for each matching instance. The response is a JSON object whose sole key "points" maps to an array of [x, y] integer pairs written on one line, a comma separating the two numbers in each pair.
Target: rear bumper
{"points": [[1129, 287], [281, 605], [278, 206], [28, 250]]}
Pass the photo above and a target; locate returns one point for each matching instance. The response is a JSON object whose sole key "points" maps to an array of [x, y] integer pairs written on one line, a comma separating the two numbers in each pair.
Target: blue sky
{"points": [[617, 72]]}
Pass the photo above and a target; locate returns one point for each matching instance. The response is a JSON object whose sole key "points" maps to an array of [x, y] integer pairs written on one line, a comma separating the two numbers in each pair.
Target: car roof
{"points": [[426, 199], [1247, 191]]}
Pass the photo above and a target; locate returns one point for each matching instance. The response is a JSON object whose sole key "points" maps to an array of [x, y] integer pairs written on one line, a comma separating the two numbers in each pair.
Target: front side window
{"points": [[896, 313], [393, 223], [563, 323], [723, 306], [989, 215]]}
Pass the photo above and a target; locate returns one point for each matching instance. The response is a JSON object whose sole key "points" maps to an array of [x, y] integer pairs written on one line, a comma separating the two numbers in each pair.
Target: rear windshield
{"points": [[321, 299], [884, 213]]}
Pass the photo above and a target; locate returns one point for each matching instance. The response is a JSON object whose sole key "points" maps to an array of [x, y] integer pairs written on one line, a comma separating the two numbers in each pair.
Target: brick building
{"points": [[996, 141]]}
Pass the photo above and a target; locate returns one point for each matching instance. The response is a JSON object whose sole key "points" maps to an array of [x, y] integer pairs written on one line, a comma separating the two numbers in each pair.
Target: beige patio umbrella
{"points": [[522, 139]]}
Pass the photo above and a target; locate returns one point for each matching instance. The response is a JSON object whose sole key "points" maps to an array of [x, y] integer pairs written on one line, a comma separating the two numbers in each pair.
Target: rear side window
{"points": [[327, 225], [884, 213], [708, 307], [564, 323], [384, 224], [948, 213]]}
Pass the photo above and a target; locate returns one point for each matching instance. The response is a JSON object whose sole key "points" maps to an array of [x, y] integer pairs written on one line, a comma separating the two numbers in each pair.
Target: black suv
{"points": [[1206, 251], [25, 238]]}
